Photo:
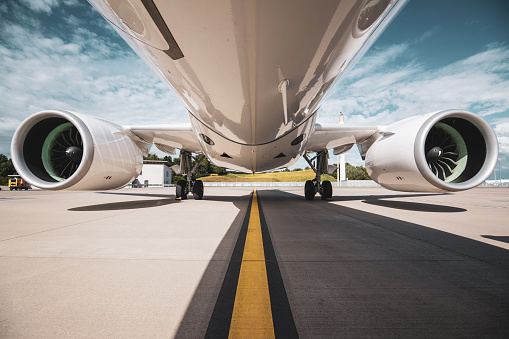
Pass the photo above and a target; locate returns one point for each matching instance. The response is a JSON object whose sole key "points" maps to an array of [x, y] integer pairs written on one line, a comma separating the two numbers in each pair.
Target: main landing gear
{"points": [[317, 186], [191, 185]]}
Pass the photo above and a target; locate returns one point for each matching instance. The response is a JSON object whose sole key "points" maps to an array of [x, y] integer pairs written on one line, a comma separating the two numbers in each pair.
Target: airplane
{"points": [[253, 75]]}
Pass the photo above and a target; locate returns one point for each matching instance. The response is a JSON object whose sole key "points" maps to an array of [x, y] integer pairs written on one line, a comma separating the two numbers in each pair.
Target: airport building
{"points": [[154, 173]]}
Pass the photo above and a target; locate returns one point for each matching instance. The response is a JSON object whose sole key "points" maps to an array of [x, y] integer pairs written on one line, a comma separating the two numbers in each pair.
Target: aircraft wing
{"points": [[341, 138], [167, 138]]}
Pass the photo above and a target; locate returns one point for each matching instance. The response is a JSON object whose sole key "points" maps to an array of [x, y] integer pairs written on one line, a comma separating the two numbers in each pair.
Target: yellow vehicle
{"points": [[16, 182]]}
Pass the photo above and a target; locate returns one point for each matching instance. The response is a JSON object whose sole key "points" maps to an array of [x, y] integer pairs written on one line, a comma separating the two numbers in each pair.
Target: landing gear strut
{"points": [[190, 185], [317, 186]]}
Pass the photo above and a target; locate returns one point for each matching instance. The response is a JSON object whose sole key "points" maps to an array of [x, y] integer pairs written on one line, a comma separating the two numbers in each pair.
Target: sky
{"points": [[436, 55]]}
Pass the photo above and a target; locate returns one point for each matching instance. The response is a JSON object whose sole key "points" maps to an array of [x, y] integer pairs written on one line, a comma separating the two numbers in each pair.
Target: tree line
{"points": [[6, 168], [353, 172]]}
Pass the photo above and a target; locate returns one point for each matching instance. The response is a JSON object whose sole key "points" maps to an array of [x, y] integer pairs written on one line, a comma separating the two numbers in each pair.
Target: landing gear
{"points": [[317, 186], [184, 187]]}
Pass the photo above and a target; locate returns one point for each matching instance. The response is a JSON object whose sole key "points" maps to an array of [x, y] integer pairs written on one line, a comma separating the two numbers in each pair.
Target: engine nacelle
{"points": [[443, 151], [58, 150]]}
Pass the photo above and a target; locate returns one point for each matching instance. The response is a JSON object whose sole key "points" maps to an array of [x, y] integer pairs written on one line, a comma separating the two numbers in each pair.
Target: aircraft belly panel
{"points": [[248, 158]]}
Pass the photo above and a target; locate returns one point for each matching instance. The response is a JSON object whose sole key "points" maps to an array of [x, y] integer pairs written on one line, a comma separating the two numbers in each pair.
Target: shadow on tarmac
{"points": [[378, 197], [425, 282], [413, 206], [138, 204], [497, 238], [125, 205], [140, 194], [402, 205]]}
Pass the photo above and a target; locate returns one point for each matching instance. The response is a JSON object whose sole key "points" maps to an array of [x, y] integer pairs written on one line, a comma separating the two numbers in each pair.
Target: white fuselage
{"points": [[227, 60]]}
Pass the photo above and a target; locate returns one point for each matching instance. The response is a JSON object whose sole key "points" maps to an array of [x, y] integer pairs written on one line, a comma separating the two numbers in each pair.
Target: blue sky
{"points": [[435, 55]]}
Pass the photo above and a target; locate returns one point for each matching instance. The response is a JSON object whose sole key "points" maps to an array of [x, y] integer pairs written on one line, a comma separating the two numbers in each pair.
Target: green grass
{"points": [[266, 177]]}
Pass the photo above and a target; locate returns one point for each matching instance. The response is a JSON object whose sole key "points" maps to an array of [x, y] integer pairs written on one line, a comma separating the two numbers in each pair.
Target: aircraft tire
{"points": [[198, 190], [326, 190], [309, 190], [180, 190]]}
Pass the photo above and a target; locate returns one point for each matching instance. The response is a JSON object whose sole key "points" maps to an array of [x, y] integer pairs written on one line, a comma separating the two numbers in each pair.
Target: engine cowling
{"points": [[58, 150], [443, 151]]}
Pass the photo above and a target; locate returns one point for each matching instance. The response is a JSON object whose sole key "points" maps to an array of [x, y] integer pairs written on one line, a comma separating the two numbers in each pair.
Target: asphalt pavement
{"points": [[369, 263]]}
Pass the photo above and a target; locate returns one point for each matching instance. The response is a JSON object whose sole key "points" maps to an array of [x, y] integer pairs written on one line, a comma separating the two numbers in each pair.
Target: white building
{"points": [[154, 173]]}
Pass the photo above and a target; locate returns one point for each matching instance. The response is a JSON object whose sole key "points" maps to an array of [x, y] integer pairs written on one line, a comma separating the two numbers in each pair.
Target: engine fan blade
{"points": [[446, 152], [62, 151]]}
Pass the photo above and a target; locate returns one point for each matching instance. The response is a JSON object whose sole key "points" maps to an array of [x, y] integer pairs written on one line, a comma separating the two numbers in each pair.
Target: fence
{"points": [[348, 183], [494, 183]]}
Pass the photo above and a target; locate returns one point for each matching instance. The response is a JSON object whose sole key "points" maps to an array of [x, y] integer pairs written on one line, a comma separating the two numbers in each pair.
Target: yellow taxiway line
{"points": [[252, 314]]}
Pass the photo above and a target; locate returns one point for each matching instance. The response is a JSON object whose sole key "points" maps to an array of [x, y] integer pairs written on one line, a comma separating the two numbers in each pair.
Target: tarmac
{"points": [[137, 263]]}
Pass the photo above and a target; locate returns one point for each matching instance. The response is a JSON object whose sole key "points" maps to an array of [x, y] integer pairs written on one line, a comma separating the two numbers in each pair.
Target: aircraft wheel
{"points": [[309, 190], [198, 190], [180, 190], [326, 190]]}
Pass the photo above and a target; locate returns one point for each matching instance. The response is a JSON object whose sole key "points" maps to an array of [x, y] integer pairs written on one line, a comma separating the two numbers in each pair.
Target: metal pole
{"points": [[339, 169], [342, 163]]}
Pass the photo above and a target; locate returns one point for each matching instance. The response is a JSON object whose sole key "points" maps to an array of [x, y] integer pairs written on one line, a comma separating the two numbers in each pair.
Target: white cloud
{"points": [[502, 131], [72, 2], [381, 58], [428, 34], [41, 5], [47, 6]]}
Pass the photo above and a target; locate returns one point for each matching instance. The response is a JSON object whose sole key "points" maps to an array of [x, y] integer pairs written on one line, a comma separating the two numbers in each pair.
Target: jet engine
{"points": [[58, 150], [442, 151]]}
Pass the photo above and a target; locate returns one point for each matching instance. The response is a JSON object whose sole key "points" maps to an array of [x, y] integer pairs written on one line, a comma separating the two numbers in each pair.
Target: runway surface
{"points": [[138, 263]]}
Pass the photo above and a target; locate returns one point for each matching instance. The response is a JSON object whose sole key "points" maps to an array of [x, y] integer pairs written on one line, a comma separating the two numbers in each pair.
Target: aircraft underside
{"points": [[252, 76]]}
